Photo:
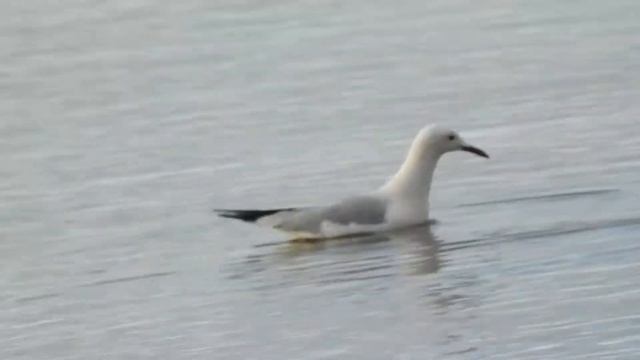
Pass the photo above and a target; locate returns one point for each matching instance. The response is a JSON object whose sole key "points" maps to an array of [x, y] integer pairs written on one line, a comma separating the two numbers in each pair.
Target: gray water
{"points": [[123, 123]]}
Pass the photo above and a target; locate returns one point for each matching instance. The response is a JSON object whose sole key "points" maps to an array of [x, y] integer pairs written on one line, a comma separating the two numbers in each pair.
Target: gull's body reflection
{"points": [[417, 245], [411, 251]]}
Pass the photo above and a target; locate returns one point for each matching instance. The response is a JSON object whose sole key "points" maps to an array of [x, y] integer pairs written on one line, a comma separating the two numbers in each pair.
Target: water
{"points": [[123, 123]]}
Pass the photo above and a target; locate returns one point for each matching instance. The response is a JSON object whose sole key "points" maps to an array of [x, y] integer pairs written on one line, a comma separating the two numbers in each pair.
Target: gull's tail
{"points": [[250, 215]]}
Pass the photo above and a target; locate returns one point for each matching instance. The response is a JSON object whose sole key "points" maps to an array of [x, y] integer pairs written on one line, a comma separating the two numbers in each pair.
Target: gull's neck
{"points": [[413, 179]]}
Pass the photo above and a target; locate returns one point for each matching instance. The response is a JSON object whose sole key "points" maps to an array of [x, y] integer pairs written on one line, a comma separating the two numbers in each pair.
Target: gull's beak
{"points": [[475, 150]]}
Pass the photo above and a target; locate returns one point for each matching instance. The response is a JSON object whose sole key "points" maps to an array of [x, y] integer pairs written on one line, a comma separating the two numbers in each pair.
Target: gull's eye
{"points": [[452, 137]]}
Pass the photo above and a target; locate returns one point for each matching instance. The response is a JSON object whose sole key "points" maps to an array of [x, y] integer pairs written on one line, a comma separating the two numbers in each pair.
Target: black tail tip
{"points": [[247, 215]]}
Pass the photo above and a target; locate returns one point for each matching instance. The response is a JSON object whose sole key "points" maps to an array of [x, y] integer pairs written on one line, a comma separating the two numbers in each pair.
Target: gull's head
{"points": [[442, 140]]}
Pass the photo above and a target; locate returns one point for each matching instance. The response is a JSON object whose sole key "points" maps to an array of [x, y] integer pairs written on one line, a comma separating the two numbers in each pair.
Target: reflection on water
{"points": [[363, 257]]}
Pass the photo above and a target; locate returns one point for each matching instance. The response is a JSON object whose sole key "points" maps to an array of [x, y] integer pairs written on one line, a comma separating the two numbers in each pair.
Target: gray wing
{"points": [[362, 210]]}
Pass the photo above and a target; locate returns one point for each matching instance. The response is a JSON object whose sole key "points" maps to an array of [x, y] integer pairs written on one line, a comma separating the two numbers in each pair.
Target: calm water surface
{"points": [[123, 123]]}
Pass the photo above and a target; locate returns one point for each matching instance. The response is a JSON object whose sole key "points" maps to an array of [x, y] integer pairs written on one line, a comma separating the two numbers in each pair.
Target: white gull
{"points": [[403, 201]]}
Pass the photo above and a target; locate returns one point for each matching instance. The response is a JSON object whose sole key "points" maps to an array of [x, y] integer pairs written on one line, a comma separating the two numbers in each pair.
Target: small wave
{"points": [[128, 279], [542, 197]]}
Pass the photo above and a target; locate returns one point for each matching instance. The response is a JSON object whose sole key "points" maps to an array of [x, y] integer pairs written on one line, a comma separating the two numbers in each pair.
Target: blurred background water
{"points": [[123, 123]]}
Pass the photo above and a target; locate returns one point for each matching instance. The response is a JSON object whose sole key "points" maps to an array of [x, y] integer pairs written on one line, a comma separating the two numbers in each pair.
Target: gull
{"points": [[403, 201]]}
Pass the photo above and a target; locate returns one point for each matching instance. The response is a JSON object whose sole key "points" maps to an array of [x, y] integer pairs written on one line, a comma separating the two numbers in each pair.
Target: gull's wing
{"points": [[355, 211]]}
